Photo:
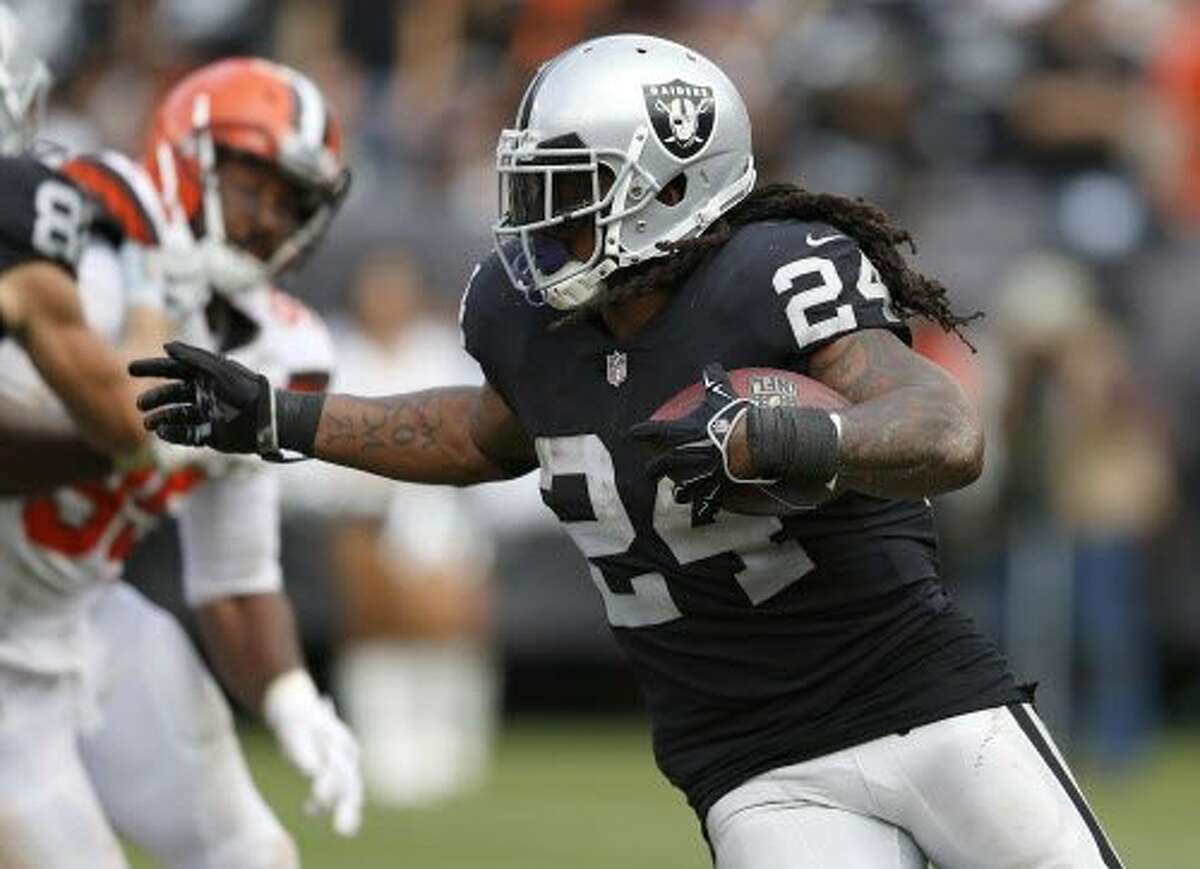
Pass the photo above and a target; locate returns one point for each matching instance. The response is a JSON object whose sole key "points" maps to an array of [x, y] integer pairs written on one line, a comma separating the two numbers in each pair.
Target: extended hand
{"points": [[693, 450], [212, 401]]}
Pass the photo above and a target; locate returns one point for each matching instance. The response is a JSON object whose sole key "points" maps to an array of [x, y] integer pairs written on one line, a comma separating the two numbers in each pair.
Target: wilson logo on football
{"points": [[682, 115]]}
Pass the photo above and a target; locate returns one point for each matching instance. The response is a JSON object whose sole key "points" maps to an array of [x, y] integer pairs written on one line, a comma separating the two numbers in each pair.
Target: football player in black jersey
{"points": [[44, 221], [813, 690]]}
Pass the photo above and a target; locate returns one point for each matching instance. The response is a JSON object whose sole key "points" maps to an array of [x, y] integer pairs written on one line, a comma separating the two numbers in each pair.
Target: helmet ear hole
{"points": [[674, 191]]}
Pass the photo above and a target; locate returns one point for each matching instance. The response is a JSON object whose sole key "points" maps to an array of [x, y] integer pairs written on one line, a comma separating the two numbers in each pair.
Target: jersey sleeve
{"points": [[488, 335], [310, 353], [804, 284], [296, 350], [43, 215], [128, 204], [229, 530]]}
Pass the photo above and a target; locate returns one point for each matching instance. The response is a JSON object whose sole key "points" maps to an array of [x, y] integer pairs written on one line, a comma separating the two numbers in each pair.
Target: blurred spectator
{"points": [[1090, 481]]}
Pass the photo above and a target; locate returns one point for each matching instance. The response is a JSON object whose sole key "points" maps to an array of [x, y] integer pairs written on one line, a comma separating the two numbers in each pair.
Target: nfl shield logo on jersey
{"points": [[618, 367], [682, 115]]}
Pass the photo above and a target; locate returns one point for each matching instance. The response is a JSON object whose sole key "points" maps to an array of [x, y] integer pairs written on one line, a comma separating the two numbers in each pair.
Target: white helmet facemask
{"points": [[602, 130], [24, 84]]}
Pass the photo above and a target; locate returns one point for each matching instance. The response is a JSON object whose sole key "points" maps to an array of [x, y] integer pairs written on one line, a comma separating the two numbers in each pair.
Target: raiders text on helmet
{"points": [[602, 130]]}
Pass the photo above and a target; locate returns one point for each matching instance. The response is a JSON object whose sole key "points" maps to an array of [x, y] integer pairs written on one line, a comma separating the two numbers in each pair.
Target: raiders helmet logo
{"points": [[682, 115]]}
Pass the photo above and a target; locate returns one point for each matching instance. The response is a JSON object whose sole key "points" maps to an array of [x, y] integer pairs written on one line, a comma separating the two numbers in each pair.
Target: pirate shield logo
{"points": [[682, 115]]}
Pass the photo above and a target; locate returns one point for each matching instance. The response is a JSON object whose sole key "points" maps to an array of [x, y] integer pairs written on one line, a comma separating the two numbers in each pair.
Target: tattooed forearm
{"points": [[421, 436], [911, 431]]}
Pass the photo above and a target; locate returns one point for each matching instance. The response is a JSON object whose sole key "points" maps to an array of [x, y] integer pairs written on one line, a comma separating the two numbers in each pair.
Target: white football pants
{"points": [[50, 818], [165, 760], [985, 790]]}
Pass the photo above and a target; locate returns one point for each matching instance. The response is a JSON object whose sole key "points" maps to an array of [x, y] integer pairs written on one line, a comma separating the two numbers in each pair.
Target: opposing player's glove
{"points": [[213, 401], [319, 745], [693, 450]]}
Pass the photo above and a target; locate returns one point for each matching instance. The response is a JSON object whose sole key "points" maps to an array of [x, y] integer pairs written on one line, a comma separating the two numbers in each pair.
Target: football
{"points": [[770, 387]]}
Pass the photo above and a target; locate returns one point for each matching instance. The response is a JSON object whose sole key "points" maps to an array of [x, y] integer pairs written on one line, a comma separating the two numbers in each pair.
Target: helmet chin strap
{"points": [[231, 271], [581, 288]]}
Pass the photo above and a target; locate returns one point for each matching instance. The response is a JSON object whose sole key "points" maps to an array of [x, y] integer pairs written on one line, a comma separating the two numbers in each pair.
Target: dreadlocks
{"points": [[913, 294]]}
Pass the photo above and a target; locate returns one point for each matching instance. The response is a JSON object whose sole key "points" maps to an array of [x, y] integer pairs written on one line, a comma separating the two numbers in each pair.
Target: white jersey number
{"points": [[104, 519], [57, 222], [767, 567], [827, 289]]}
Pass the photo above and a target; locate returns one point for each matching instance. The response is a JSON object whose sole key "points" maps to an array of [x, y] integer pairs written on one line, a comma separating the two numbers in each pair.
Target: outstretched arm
{"points": [[459, 435]]}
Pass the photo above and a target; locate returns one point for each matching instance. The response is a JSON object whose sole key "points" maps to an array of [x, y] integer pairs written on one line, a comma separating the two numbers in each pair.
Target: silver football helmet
{"points": [[24, 83], [642, 138]]}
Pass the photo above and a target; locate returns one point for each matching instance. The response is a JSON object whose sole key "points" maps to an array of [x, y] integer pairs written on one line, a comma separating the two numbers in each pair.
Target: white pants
{"points": [[985, 790], [162, 764], [50, 818], [165, 759]]}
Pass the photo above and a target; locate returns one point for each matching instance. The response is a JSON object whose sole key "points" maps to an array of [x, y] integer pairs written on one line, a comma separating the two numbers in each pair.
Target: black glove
{"points": [[692, 449], [212, 402]]}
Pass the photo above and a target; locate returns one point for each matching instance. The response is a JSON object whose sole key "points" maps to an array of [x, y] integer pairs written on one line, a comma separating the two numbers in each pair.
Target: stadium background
{"points": [[1046, 156]]}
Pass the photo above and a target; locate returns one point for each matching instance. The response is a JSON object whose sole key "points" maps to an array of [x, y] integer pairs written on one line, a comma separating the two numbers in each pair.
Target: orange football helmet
{"points": [[255, 108]]}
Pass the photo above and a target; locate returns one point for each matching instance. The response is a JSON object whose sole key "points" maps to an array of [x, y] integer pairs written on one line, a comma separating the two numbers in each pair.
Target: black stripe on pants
{"points": [[1029, 726]]}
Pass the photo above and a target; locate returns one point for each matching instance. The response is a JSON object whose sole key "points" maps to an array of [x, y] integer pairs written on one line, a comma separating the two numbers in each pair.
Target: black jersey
{"points": [[42, 215], [758, 641]]}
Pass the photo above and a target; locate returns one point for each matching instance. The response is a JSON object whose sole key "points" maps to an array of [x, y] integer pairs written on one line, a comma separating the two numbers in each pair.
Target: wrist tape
{"points": [[798, 444], [296, 417]]}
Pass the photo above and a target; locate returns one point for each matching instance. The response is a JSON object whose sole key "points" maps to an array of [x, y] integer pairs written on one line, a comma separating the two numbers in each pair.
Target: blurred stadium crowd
{"points": [[1044, 153]]}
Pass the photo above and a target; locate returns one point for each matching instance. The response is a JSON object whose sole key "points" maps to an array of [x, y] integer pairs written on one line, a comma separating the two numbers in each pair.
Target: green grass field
{"points": [[585, 795]]}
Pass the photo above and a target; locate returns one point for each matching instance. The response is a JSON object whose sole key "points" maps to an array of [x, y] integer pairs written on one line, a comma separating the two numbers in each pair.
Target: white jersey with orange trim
{"points": [[57, 549]]}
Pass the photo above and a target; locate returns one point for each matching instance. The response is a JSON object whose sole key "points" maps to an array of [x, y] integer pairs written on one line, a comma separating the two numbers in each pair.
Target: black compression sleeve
{"points": [[798, 444], [297, 415]]}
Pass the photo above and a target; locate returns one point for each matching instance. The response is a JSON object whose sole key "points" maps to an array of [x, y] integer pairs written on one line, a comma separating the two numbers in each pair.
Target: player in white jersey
{"points": [[115, 718], [44, 222]]}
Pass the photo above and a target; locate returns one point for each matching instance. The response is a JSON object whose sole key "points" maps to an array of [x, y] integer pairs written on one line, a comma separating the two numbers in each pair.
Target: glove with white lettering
{"points": [[211, 401], [692, 449]]}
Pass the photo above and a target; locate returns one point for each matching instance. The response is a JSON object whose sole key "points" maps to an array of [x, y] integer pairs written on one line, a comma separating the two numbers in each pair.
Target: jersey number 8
{"points": [[59, 214]]}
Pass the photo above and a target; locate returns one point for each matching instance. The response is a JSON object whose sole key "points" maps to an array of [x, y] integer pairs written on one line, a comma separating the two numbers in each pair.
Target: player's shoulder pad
{"points": [[491, 309], [130, 206], [758, 250], [293, 340], [807, 276]]}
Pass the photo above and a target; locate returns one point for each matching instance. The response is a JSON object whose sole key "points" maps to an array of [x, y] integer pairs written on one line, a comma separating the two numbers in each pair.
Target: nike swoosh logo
{"points": [[817, 242]]}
